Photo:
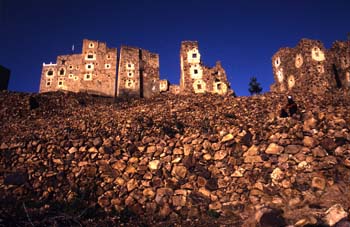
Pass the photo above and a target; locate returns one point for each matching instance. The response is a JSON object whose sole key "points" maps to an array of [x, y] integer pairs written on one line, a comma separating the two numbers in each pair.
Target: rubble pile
{"points": [[174, 160]]}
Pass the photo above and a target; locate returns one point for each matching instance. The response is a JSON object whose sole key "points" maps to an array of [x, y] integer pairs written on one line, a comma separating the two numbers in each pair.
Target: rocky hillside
{"points": [[204, 160]]}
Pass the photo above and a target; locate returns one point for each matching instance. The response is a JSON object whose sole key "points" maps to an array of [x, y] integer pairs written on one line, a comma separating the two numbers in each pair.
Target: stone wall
{"points": [[129, 72], [309, 67], [4, 78], [92, 71], [196, 77], [138, 74]]}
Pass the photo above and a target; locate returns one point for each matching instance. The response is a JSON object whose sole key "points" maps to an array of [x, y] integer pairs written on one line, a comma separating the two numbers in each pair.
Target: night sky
{"points": [[242, 34]]}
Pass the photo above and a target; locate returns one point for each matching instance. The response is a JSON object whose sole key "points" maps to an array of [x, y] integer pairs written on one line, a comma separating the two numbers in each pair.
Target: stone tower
{"points": [[198, 78], [309, 67], [93, 71], [138, 74]]}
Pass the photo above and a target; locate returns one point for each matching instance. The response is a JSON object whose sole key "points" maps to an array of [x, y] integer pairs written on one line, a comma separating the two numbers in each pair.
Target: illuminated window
{"points": [[194, 55], [195, 71], [71, 67], [91, 45], [107, 66]]}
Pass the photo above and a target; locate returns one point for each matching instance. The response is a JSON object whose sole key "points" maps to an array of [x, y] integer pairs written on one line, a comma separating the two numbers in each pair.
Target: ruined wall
{"points": [[308, 67], [196, 77], [149, 74], [174, 89], [4, 78], [92, 71], [138, 74], [340, 53]]}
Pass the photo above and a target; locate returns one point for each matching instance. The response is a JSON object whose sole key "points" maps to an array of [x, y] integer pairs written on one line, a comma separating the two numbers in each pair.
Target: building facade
{"points": [[196, 77], [93, 71], [310, 67]]}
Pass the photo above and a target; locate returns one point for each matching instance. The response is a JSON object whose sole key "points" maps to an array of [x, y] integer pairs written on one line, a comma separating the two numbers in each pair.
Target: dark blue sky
{"points": [[243, 34]]}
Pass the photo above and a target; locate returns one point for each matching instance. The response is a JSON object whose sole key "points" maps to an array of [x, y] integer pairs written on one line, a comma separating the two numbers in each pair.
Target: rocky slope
{"points": [[74, 159]]}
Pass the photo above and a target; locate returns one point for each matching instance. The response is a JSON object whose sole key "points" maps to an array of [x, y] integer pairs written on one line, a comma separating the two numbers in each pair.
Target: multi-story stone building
{"points": [[138, 74], [4, 78], [198, 78], [93, 71], [309, 67]]}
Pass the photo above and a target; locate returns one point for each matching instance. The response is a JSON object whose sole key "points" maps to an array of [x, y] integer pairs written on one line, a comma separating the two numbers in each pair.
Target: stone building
{"points": [[93, 71], [310, 67], [138, 74], [198, 78], [164, 85], [4, 78]]}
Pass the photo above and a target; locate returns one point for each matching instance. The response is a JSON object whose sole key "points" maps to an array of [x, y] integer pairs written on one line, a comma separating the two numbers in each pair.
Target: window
{"points": [[91, 45], [129, 65], [130, 74], [199, 86], [75, 78], [218, 86], [89, 66], [195, 71], [71, 67], [77, 67], [90, 56], [70, 76], [50, 73], [48, 83], [63, 62], [107, 66], [88, 77], [108, 56], [194, 55], [62, 72], [60, 83]]}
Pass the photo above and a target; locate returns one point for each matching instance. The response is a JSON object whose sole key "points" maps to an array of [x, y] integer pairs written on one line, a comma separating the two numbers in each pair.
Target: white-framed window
{"points": [[88, 76], [107, 66], [90, 56], [75, 78], [277, 61], [71, 76], [60, 82], [71, 67], [129, 83], [108, 56], [89, 66], [91, 45], [50, 72], [62, 72], [130, 66], [130, 74]]}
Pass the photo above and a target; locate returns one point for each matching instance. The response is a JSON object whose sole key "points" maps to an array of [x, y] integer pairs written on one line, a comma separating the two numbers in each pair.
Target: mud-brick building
{"points": [[310, 67], [138, 74], [196, 77], [4, 78], [93, 71]]}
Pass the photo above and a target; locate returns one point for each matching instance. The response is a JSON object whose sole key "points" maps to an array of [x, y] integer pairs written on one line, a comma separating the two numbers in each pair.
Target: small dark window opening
{"points": [[336, 75], [108, 56], [60, 83], [219, 86], [129, 65], [70, 67], [90, 56], [129, 84], [194, 55], [130, 74], [50, 73], [62, 72], [63, 62], [195, 71], [48, 83], [199, 86], [87, 76], [89, 66]]}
